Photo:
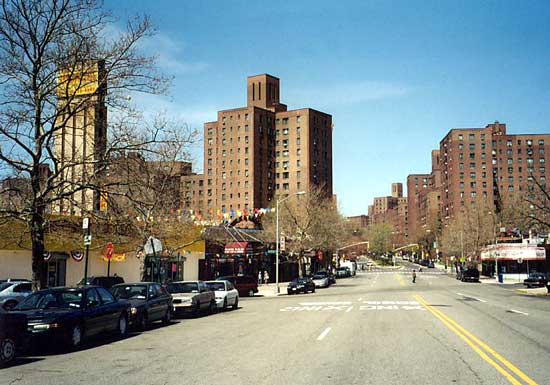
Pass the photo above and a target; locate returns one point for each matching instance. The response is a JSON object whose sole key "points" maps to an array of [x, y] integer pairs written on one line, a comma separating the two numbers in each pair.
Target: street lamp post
{"points": [[277, 238]]}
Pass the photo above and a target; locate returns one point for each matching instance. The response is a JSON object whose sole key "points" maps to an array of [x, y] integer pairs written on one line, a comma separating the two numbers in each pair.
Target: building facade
{"points": [[254, 153]]}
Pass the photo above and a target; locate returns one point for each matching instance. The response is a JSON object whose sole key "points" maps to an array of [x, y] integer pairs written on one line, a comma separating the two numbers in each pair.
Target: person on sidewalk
{"points": [[414, 276]]}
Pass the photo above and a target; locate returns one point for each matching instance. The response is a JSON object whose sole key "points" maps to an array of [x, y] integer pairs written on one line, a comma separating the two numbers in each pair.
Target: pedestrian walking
{"points": [[414, 276]]}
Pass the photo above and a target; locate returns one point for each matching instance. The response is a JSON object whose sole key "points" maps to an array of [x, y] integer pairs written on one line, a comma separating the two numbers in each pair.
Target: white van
{"points": [[352, 266]]}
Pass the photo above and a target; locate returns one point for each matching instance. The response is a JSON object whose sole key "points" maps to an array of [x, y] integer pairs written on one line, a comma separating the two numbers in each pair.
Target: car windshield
{"points": [[56, 299], [183, 287], [318, 276], [216, 286], [130, 291]]}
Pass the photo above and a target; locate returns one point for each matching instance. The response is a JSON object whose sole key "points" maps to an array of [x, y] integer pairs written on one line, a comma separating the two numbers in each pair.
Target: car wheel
{"points": [[197, 310], [75, 337], [167, 317], [122, 326], [236, 304], [212, 307], [8, 305], [143, 321], [251, 293], [225, 303], [7, 351]]}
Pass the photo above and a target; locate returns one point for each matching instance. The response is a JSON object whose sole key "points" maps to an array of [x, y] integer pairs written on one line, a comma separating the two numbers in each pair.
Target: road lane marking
{"points": [[349, 309], [517, 312], [324, 303], [323, 334], [360, 299], [470, 297], [478, 346]]}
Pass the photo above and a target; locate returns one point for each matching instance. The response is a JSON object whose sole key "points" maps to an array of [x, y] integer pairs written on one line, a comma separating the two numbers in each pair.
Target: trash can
{"points": [[500, 278]]}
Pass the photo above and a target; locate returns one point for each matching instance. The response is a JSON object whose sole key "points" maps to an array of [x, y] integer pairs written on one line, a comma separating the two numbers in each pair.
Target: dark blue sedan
{"points": [[70, 315]]}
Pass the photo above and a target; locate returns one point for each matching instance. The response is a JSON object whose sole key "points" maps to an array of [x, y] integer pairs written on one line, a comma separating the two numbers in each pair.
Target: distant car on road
{"points": [[13, 335], [13, 292], [468, 275], [191, 297], [225, 293], [106, 282], [536, 280], [149, 303], [246, 285], [71, 315], [343, 272], [321, 280], [300, 285]]}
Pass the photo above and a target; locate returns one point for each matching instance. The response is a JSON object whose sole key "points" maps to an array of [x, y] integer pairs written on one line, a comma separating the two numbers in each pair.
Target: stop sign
{"points": [[109, 250]]}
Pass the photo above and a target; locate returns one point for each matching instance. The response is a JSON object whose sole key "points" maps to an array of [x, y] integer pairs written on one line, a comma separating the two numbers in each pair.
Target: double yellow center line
{"points": [[486, 352]]}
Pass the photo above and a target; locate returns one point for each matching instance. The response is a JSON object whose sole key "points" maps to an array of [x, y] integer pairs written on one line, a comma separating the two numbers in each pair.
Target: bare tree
{"points": [[60, 66]]}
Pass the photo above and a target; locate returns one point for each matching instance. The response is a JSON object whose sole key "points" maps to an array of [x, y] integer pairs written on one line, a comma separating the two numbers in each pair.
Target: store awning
{"points": [[238, 248]]}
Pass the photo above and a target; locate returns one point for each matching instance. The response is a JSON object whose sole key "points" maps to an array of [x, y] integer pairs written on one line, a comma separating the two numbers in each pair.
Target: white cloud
{"points": [[347, 93]]}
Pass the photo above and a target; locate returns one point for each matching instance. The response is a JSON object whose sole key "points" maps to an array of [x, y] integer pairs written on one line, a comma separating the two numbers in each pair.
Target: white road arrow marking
{"points": [[323, 334]]}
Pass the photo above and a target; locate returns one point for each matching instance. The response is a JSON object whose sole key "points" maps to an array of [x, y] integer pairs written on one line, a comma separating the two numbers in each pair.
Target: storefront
{"points": [[513, 261]]}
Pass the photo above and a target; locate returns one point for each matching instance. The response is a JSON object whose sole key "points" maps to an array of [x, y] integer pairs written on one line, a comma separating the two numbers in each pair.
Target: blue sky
{"points": [[395, 75]]}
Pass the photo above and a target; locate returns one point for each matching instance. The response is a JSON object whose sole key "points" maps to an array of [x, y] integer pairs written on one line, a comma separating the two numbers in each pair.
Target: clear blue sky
{"points": [[395, 75]]}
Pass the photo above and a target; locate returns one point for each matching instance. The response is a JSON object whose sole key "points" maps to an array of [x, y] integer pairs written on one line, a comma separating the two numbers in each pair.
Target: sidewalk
{"points": [[268, 289], [537, 291]]}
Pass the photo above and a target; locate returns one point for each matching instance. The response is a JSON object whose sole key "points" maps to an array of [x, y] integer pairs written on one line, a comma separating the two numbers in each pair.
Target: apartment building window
{"points": [[210, 141], [541, 151], [285, 175], [460, 166], [472, 137], [285, 131], [209, 152], [285, 153], [472, 165], [472, 175], [223, 175], [473, 194], [298, 163], [209, 192], [510, 170], [246, 195], [460, 137], [460, 146], [530, 161], [246, 150], [484, 175], [473, 185], [223, 197], [285, 186], [285, 143], [246, 128], [493, 143], [542, 179], [246, 173], [298, 184], [224, 142], [246, 117], [541, 142], [298, 119], [298, 141], [298, 152], [541, 160], [484, 184], [541, 170], [209, 172], [246, 184], [483, 146], [210, 131], [246, 161], [277, 186], [461, 185], [223, 163], [472, 155], [460, 156], [209, 203], [510, 161], [508, 143], [246, 139], [483, 166], [520, 160], [529, 142], [209, 162], [209, 182], [482, 136], [224, 153], [298, 131], [509, 152], [285, 164], [472, 147]]}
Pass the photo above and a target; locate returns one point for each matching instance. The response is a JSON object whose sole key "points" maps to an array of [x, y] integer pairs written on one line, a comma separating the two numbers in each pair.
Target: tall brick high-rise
{"points": [[254, 153]]}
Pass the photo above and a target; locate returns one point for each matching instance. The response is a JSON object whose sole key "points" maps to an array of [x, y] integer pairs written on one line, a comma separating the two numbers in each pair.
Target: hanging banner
{"points": [[77, 255]]}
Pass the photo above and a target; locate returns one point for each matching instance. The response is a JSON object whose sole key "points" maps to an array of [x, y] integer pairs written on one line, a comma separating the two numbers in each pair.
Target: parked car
{"points": [[149, 302], [191, 297], [536, 280], [321, 280], [431, 264], [225, 293], [72, 314], [343, 272], [468, 275], [106, 282], [300, 285], [246, 285], [12, 292], [13, 335]]}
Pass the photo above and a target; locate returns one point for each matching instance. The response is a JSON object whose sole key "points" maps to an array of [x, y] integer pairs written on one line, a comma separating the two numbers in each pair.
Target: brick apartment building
{"points": [[476, 166], [392, 210], [256, 152]]}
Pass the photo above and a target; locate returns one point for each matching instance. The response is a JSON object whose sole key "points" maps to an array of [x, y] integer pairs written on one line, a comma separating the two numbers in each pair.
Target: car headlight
{"points": [[133, 310], [45, 326], [186, 300]]}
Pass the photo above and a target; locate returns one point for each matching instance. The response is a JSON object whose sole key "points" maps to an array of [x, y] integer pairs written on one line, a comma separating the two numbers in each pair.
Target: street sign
{"points": [[109, 250], [153, 246], [282, 244], [87, 240], [85, 223]]}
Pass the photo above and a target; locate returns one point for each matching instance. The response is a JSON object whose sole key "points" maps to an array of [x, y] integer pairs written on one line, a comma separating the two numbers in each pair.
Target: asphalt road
{"points": [[375, 328]]}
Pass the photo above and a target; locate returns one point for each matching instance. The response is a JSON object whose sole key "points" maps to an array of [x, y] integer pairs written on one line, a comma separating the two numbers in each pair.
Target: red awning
{"points": [[238, 248]]}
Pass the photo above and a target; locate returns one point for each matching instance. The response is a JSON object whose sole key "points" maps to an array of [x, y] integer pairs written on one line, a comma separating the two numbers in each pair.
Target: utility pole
{"points": [[87, 242]]}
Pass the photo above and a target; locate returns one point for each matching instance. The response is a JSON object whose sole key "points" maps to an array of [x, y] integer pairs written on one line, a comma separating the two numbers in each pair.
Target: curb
{"points": [[526, 292]]}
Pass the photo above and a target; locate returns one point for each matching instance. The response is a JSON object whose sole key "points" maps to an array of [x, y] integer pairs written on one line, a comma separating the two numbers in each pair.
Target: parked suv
{"points": [[468, 275], [245, 284], [191, 297], [106, 282]]}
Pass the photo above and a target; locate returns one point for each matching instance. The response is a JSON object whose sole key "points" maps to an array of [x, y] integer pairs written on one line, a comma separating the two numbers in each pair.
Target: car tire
{"points": [[8, 305], [251, 293], [75, 337], [122, 329], [236, 304], [212, 307], [143, 321], [167, 317], [7, 351], [225, 303]]}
